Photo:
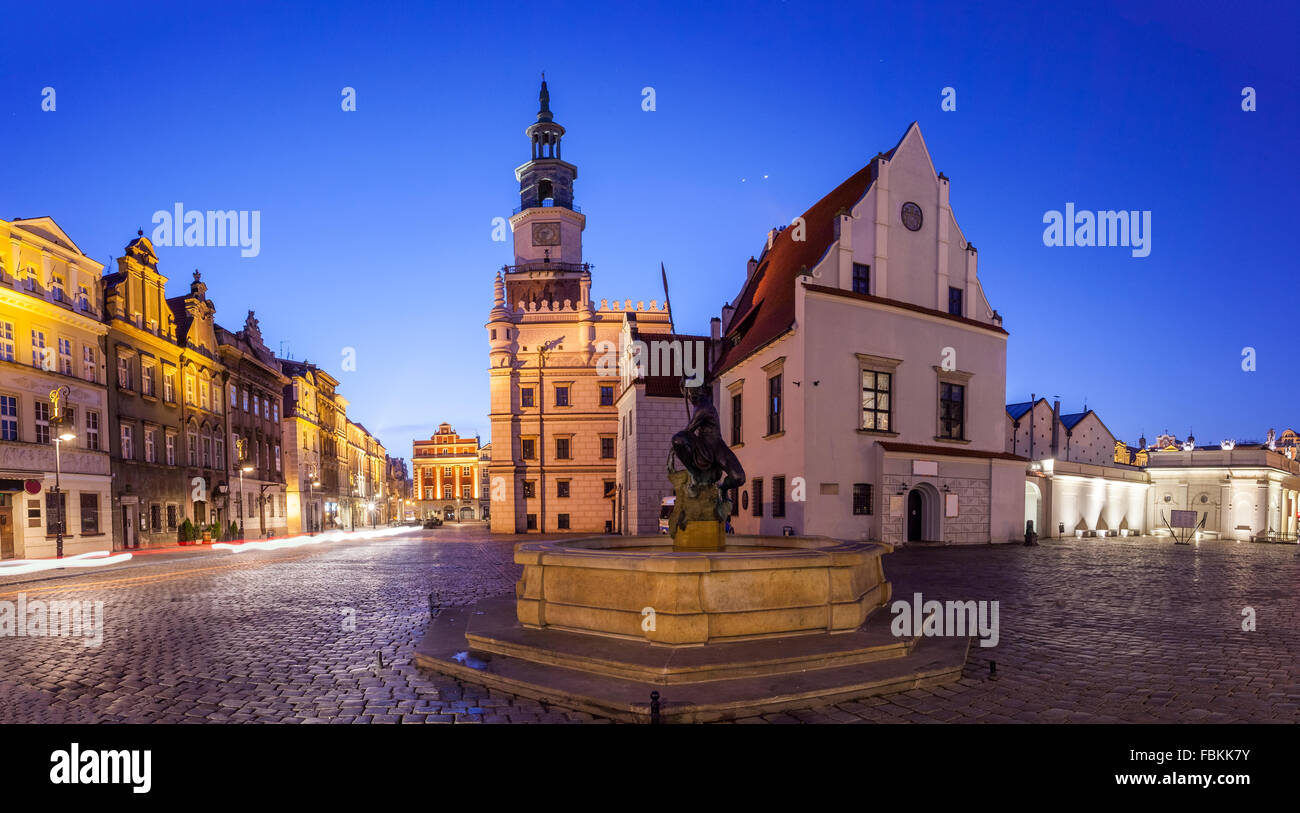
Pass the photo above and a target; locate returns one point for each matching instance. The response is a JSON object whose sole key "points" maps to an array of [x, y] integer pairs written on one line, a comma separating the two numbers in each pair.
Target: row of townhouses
{"points": [[132, 419], [859, 374]]}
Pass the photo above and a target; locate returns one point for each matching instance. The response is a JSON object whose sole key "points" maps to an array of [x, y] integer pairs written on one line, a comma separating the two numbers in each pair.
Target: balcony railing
{"points": [[542, 265], [573, 207]]}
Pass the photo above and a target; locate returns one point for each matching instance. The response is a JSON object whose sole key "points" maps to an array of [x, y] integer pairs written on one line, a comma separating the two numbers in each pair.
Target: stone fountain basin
{"points": [[639, 587]]}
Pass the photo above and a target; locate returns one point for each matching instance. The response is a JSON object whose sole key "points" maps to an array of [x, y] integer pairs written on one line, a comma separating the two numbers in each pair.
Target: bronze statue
{"points": [[707, 460]]}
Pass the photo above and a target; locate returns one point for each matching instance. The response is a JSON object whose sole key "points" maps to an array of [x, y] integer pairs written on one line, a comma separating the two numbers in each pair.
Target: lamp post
{"points": [[60, 435], [312, 482], [240, 454]]}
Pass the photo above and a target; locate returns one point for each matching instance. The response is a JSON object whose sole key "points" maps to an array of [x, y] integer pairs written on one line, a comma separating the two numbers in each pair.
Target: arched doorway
{"points": [[1033, 505], [449, 513], [923, 514], [915, 516], [466, 514]]}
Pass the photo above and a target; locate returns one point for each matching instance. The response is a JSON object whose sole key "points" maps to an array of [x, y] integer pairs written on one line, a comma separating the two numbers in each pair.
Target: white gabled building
{"points": [[863, 377]]}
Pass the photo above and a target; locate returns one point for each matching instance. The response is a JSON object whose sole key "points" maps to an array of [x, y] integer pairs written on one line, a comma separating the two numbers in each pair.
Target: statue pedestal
{"points": [[700, 535]]}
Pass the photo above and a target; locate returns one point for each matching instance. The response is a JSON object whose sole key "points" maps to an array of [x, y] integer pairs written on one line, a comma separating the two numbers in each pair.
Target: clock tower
{"points": [[547, 225]]}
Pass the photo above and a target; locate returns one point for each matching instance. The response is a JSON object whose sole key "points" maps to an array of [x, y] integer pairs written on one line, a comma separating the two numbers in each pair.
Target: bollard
{"points": [[379, 658], [654, 708]]}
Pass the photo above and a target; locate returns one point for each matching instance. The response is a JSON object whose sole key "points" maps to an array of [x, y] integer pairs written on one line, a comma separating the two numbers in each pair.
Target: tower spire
{"points": [[545, 98]]}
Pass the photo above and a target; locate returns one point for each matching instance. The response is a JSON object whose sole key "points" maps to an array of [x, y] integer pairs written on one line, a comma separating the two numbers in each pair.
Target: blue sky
{"points": [[376, 224]]}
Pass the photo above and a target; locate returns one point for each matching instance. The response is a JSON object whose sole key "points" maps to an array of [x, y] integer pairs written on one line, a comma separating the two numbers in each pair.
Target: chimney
{"points": [[728, 311], [715, 328], [1056, 428], [752, 265]]}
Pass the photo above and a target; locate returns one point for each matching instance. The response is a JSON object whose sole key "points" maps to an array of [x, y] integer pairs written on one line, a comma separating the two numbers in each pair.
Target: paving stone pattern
{"points": [[1130, 630]]}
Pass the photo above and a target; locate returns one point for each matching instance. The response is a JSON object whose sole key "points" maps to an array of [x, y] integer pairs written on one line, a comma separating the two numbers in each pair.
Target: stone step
{"points": [[493, 629], [930, 662]]}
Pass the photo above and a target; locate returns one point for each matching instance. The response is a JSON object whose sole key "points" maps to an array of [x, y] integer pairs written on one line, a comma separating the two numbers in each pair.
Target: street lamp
{"points": [[312, 483], [61, 434], [242, 469]]}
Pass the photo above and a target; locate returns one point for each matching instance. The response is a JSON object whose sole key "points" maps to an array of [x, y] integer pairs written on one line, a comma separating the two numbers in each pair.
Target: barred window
{"points": [[862, 499], [758, 496], [778, 496]]}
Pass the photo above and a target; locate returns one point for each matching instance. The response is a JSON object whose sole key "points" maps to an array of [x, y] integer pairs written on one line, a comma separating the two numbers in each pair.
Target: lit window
{"points": [[875, 400]]}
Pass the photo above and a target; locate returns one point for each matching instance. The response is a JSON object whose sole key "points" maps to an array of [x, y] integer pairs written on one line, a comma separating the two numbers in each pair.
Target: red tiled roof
{"points": [[765, 307], [949, 451]]}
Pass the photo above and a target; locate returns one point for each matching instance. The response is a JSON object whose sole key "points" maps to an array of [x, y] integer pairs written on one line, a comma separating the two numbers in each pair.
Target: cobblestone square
{"points": [[1116, 630]]}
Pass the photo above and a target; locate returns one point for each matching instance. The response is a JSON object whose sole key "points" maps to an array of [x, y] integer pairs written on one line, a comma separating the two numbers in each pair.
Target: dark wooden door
{"points": [[914, 505]]}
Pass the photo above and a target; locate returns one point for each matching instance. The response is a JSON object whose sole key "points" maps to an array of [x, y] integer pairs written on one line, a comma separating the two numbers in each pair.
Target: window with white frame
{"points": [[192, 442], [150, 453], [147, 372], [216, 396], [40, 354], [65, 356], [204, 401], [89, 363], [189, 390], [8, 417], [124, 372], [169, 386], [41, 411], [92, 430], [170, 443], [128, 442], [6, 341]]}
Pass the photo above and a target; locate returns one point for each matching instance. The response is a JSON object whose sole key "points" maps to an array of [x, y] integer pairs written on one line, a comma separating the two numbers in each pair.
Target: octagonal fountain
{"points": [[719, 626]]}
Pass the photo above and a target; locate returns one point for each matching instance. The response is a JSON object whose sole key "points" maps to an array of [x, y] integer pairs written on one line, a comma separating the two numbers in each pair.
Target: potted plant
{"points": [[232, 531], [186, 531]]}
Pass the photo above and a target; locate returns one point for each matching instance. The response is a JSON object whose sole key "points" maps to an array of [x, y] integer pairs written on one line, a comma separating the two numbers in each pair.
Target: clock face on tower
{"points": [[546, 234]]}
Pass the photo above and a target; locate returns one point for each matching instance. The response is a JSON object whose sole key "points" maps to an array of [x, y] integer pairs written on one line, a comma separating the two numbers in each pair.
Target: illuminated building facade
{"points": [[554, 419], [254, 390], [863, 373], [51, 336], [448, 476]]}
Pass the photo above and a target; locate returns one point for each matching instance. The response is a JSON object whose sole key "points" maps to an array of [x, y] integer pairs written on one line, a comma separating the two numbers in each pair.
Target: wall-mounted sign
{"points": [[925, 467], [895, 505], [32, 486], [950, 505]]}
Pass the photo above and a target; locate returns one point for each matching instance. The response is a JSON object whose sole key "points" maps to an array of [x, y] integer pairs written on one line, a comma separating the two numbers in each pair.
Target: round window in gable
{"points": [[912, 217]]}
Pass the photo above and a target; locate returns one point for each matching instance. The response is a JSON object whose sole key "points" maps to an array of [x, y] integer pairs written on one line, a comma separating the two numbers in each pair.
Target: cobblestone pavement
{"points": [[1090, 631]]}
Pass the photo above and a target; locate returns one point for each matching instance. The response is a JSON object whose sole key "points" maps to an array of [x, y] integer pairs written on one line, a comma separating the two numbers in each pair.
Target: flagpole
{"points": [[673, 327]]}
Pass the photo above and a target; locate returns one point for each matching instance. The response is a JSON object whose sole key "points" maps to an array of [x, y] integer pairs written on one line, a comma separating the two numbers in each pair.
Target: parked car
{"points": [[432, 522]]}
